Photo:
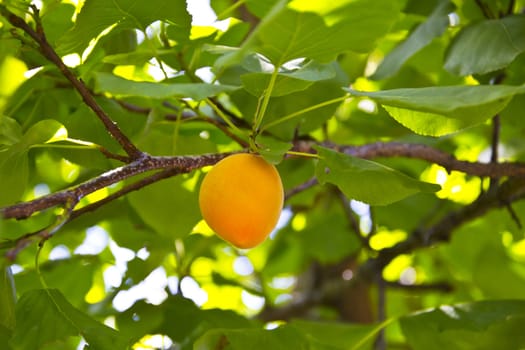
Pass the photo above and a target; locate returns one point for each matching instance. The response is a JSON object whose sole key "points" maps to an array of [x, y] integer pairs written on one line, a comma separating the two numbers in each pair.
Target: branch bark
{"points": [[182, 164]]}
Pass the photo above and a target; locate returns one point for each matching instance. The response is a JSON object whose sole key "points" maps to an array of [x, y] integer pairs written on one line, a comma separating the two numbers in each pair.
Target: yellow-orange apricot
{"points": [[241, 199]]}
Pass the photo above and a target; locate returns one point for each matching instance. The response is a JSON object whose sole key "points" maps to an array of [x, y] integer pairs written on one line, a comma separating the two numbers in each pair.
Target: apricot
{"points": [[241, 199]]}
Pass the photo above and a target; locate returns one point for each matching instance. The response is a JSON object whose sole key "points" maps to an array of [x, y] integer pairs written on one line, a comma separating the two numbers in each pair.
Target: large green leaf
{"points": [[170, 206], [339, 335], [10, 131], [486, 46], [47, 130], [14, 167], [7, 297], [44, 316], [433, 27], [288, 82], [177, 317], [367, 181], [295, 335], [496, 324], [122, 87], [282, 338], [83, 268], [98, 15], [322, 30], [14, 174], [443, 110]]}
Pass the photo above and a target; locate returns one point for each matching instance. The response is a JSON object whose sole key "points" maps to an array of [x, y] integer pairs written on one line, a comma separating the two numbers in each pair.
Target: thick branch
{"points": [[508, 192], [182, 164], [430, 154], [48, 52]]}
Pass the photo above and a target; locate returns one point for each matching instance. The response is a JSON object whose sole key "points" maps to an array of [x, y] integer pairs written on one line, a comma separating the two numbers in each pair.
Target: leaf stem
{"points": [[302, 111], [223, 115], [264, 104], [230, 9], [303, 154]]}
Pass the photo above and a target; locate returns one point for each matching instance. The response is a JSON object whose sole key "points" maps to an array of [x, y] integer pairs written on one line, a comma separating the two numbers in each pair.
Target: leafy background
{"points": [[400, 81]]}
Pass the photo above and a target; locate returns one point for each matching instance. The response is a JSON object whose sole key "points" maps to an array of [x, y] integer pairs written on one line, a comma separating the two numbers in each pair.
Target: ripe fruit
{"points": [[241, 199]]}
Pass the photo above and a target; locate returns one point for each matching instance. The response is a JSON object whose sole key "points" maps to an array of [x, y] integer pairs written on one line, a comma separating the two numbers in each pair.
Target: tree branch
{"points": [[508, 192], [179, 164], [48, 52], [432, 155]]}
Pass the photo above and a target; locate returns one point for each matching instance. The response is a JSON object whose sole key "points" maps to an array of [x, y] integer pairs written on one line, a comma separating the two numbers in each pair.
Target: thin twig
{"points": [[350, 217], [302, 187], [430, 287], [484, 9], [48, 52]]}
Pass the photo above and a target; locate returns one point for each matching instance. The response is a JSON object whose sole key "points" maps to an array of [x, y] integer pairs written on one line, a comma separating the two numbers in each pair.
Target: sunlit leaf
{"points": [[442, 110], [47, 130], [98, 15], [289, 34], [486, 46], [367, 181], [122, 87], [433, 27]]}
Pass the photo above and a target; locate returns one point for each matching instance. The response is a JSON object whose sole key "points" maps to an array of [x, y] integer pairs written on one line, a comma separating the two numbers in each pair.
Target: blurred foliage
{"points": [[145, 272]]}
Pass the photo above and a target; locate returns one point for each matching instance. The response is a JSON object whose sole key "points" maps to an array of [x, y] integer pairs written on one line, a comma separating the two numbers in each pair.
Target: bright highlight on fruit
{"points": [[241, 199]]}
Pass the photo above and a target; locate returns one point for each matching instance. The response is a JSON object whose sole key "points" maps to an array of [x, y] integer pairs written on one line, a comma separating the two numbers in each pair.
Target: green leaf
{"points": [[53, 271], [177, 317], [441, 110], [313, 29], [271, 149], [482, 325], [122, 87], [339, 335], [44, 131], [367, 181], [10, 131], [497, 275], [284, 338], [7, 297], [486, 46], [14, 174], [5, 335], [433, 27], [138, 57], [170, 206], [98, 15], [288, 82], [44, 316]]}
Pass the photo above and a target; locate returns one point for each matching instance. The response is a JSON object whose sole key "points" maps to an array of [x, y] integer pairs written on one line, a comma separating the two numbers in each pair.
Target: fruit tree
{"points": [[248, 174]]}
